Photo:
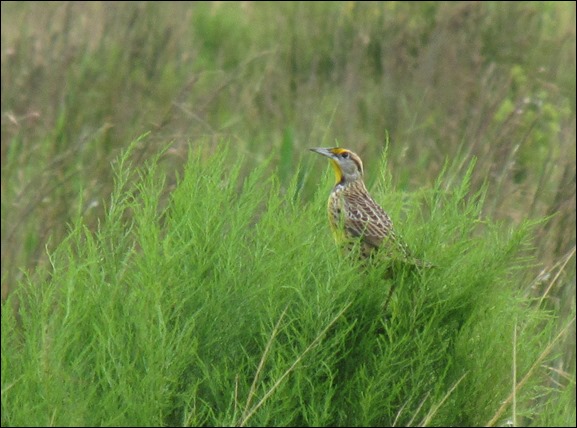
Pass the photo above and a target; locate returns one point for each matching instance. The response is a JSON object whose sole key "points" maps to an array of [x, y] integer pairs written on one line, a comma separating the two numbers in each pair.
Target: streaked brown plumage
{"points": [[355, 216]]}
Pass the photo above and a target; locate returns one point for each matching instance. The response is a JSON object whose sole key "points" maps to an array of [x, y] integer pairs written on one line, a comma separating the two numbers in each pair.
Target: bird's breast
{"points": [[336, 207]]}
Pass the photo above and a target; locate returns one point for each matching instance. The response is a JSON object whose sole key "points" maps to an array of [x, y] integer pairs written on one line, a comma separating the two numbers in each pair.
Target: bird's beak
{"points": [[322, 151], [334, 161]]}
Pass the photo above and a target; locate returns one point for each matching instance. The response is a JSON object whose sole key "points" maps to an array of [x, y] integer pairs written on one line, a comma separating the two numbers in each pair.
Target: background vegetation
{"points": [[192, 280]]}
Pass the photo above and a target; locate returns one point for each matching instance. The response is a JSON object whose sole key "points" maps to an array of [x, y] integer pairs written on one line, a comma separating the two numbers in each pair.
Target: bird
{"points": [[355, 218]]}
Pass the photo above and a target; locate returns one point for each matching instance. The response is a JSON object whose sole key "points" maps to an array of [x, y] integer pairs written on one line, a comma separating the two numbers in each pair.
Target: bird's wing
{"points": [[366, 219]]}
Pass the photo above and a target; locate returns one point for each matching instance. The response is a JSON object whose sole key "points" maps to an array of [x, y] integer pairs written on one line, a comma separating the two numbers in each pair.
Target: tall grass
{"points": [[176, 316], [434, 85]]}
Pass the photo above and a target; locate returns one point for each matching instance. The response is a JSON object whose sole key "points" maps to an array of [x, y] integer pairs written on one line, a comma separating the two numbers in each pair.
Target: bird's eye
{"points": [[345, 155]]}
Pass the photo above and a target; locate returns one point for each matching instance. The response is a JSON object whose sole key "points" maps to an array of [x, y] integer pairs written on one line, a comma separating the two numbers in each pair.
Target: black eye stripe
{"points": [[348, 155]]}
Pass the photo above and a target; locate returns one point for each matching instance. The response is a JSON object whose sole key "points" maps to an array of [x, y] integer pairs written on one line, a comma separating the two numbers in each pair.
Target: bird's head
{"points": [[347, 165]]}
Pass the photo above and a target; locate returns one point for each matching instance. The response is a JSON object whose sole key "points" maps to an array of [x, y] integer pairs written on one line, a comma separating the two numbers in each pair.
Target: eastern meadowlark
{"points": [[355, 216]]}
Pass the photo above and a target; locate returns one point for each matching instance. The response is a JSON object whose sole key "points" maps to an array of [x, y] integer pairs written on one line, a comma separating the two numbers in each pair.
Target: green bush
{"points": [[230, 305]]}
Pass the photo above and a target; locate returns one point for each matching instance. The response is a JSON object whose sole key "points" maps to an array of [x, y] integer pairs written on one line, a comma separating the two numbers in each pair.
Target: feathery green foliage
{"points": [[227, 306]]}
